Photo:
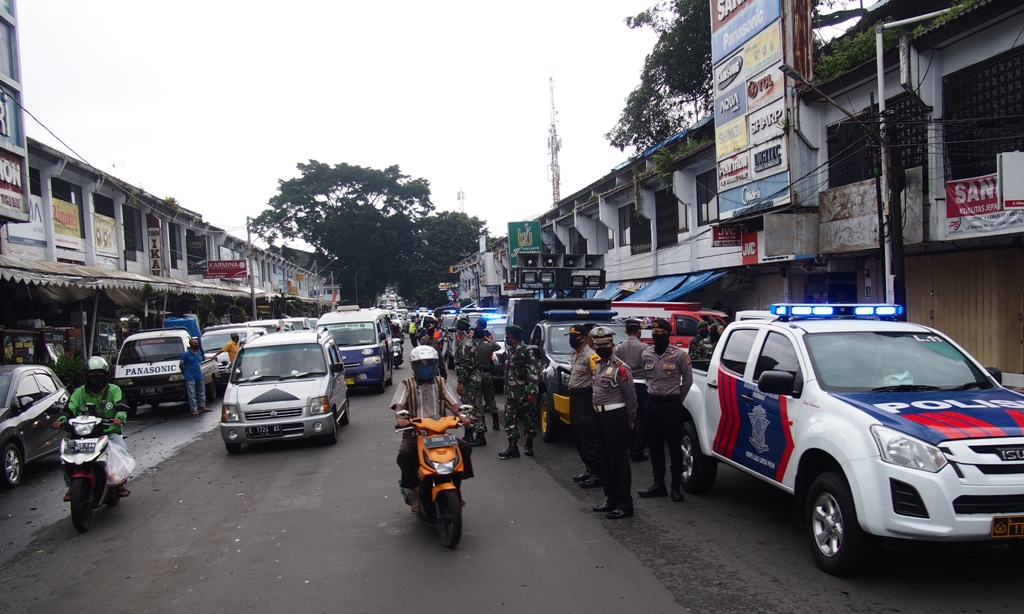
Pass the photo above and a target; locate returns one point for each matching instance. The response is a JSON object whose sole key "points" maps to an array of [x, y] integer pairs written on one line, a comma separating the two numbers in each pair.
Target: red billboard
{"points": [[726, 236], [225, 269], [970, 197]]}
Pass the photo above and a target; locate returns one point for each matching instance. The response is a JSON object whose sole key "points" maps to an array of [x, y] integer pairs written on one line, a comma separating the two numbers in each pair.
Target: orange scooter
{"points": [[440, 468]]}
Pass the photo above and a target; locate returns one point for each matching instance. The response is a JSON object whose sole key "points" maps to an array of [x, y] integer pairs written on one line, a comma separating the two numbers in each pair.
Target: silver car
{"points": [[285, 386]]}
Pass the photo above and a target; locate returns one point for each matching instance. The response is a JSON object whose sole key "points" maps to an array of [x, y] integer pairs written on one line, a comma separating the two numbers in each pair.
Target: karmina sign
{"points": [[225, 269]]}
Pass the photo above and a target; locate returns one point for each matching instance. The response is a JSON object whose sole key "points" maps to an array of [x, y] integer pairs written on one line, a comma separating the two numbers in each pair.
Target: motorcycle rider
{"points": [[105, 397], [424, 395]]}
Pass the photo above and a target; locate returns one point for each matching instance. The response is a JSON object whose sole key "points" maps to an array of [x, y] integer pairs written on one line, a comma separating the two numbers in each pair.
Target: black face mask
{"points": [[660, 343], [479, 334], [604, 352], [95, 383], [575, 343]]}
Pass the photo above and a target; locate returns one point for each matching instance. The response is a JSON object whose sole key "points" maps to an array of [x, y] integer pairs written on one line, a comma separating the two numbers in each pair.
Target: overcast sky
{"points": [[212, 102]]}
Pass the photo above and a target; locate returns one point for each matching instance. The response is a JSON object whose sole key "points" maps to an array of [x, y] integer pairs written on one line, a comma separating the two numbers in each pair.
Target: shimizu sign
{"points": [[523, 237]]}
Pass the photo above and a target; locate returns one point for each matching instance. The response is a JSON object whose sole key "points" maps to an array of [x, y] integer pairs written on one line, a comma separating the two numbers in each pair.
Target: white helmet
{"points": [[422, 352]]}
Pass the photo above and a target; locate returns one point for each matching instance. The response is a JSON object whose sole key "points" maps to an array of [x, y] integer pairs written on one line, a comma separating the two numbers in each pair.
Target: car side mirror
{"points": [[25, 402], [337, 368], [382, 336], [997, 374], [777, 382]]}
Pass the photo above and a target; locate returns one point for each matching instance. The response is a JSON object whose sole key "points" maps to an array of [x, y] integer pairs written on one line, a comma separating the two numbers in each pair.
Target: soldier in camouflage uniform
{"points": [[485, 349], [521, 384], [701, 347], [470, 386]]}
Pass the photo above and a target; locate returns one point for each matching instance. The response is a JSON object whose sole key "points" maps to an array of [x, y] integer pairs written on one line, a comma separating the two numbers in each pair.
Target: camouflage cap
{"points": [[514, 331], [462, 324], [702, 324]]}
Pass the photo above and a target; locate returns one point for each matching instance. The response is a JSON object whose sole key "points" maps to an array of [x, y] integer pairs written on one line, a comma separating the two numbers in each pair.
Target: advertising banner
{"points": [[104, 237], [523, 237], [67, 225], [740, 24], [766, 124], [750, 243], [195, 252], [12, 192], [733, 171], [155, 248], [32, 232], [731, 105], [757, 195], [972, 196], [1010, 167], [226, 269], [768, 158], [731, 138], [763, 50], [765, 88], [726, 236], [728, 73]]}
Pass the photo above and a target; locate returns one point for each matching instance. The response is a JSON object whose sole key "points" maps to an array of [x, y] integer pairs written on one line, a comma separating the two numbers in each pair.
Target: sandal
{"points": [[463, 502], [415, 510], [121, 491], [67, 495]]}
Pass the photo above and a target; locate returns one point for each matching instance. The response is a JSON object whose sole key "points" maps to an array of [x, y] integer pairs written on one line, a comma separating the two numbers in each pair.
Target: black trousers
{"points": [[665, 425], [613, 446], [584, 428], [410, 465], [637, 437]]}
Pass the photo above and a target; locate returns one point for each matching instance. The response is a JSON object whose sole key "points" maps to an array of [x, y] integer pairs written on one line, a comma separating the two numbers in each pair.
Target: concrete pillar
{"points": [[44, 180], [88, 232]]}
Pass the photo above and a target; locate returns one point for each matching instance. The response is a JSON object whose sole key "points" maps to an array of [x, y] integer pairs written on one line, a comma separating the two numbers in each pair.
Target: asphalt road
{"points": [[303, 527]]}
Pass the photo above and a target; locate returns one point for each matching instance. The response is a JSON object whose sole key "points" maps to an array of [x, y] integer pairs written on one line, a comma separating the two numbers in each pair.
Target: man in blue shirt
{"points": [[191, 365]]}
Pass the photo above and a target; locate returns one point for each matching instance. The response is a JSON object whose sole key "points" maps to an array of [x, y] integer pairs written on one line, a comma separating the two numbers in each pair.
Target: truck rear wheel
{"points": [[699, 471], [840, 547], [550, 424]]}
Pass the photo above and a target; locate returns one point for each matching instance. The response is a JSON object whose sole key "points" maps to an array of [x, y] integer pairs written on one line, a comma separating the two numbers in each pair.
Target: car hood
{"points": [[272, 395], [942, 415]]}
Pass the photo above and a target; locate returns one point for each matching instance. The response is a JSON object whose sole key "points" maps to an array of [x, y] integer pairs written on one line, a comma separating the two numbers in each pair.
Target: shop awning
{"points": [[96, 278], [657, 288], [609, 291], [694, 283]]}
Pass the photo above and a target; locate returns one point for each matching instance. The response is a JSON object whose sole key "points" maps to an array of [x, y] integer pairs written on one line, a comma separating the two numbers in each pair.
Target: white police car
{"points": [[880, 428]]}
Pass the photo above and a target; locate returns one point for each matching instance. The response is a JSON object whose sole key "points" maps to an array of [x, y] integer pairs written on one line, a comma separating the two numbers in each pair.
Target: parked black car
{"points": [[32, 397]]}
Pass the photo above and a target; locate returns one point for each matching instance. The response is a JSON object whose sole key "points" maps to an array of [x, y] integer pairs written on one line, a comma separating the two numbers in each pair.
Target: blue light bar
{"points": [[786, 311]]}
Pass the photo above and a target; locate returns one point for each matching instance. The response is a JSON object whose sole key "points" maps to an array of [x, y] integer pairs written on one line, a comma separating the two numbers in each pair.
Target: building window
{"points": [[666, 216], [624, 215], [579, 243], [103, 205], [131, 219], [174, 239], [707, 203], [982, 106], [35, 184], [639, 232], [849, 157]]}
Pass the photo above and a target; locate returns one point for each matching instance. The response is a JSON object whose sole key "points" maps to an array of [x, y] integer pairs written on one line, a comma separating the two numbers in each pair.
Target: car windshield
{"points": [[213, 342], [558, 337], [278, 362], [347, 334], [270, 327], [497, 329], [882, 362], [448, 321], [159, 349]]}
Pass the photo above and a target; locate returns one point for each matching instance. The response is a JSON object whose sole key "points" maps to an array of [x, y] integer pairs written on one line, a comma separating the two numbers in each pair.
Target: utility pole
{"points": [[252, 276], [554, 146]]}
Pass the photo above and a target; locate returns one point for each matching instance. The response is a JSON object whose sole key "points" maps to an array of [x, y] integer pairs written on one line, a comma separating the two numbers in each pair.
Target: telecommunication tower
{"points": [[554, 146], [462, 201]]}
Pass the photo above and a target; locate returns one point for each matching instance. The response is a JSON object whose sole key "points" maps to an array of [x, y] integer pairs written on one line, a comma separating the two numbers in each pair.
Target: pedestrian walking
{"points": [[191, 365], [469, 388], [615, 409], [669, 377], [485, 349], [629, 352], [522, 381], [583, 422]]}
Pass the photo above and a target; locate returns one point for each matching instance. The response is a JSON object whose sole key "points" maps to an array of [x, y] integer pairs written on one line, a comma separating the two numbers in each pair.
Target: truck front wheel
{"points": [[550, 425], [699, 471], [840, 547]]}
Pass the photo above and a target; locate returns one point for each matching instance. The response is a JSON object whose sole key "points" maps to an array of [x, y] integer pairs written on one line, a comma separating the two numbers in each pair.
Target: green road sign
{"points": [[523, 237]]}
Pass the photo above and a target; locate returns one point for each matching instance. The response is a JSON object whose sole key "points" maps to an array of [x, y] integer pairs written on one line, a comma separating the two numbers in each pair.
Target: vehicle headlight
{"points": [[229, 413], [124, 382], [563, 377], [83, 429], [444, 468], [371, 360], [176, 377], [319, 405], [905, 451]]}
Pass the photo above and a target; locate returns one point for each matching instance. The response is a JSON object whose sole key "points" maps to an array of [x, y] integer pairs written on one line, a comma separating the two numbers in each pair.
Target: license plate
{"points": [[350, 381], [149, 391], [440, 441], [1007, 527], [255, 432]]}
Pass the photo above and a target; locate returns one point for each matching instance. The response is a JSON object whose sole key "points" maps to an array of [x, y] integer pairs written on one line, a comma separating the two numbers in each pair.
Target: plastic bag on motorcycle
{"points": [[120, 465]]}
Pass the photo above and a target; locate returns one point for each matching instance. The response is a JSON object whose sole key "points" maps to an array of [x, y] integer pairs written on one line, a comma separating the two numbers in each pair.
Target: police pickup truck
{"points": [[546, 323], [147, 368], [883, 431]]}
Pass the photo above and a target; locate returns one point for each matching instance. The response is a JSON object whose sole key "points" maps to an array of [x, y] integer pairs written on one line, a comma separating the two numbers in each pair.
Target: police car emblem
{"points": [[758, 424]]}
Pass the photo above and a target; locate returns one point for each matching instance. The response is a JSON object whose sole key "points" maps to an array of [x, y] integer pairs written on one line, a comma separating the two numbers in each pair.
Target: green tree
{"points": [[441, 240]]}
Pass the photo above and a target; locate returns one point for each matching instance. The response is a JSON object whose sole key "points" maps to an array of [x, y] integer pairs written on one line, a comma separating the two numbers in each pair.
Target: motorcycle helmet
{"points": [[424, 362], [96, 369]]}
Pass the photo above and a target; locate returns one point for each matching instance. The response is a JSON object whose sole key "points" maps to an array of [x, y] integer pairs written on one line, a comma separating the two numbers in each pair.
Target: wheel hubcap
{"points": [[12, 466], [687, 457], [827, 524], [544, 417]]}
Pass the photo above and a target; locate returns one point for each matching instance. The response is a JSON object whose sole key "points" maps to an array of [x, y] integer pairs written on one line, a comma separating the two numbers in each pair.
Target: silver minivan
{"points": [[285, 386]]}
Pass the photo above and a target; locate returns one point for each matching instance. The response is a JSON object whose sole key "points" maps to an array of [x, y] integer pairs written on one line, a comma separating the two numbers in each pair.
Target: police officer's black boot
{"points": [[656, 490], [528, 448], [677, 492], [510, 451]]}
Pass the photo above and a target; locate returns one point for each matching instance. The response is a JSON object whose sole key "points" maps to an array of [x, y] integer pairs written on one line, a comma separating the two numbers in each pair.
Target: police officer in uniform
{"points": [[615, 408], [629, 352], [669, 377], [583, 422]]}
